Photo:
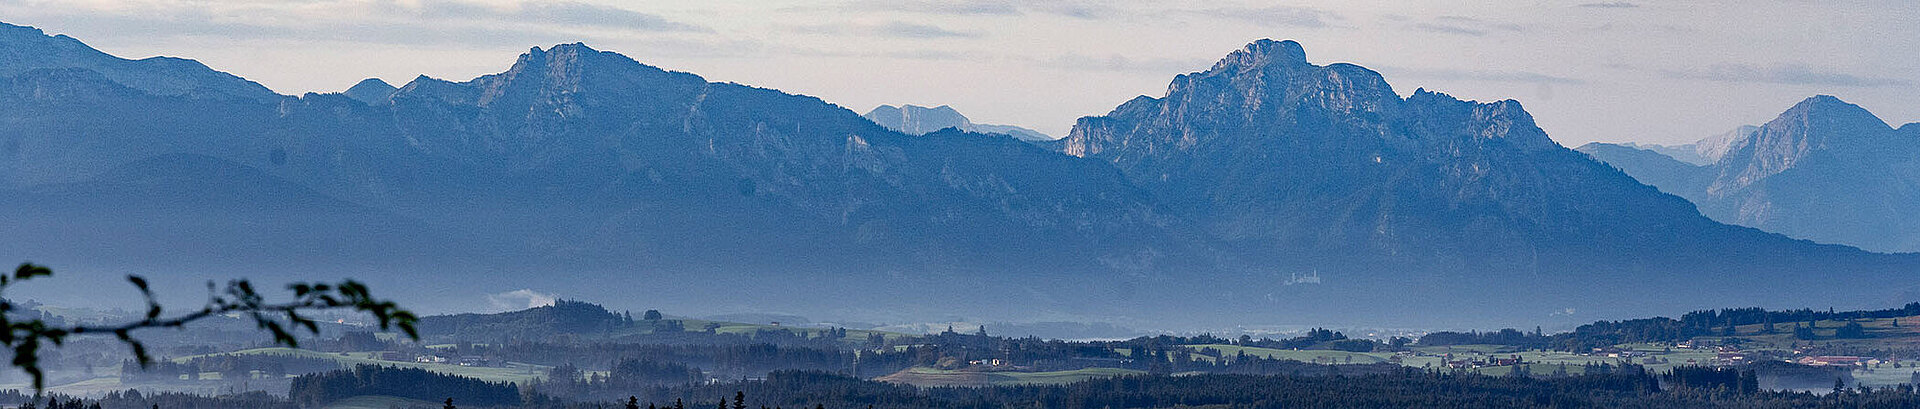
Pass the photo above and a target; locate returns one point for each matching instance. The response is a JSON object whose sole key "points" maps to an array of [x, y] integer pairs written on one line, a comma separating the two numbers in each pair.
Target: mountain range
{"points": [[1824, 170], [919, 120], [589, 174]]}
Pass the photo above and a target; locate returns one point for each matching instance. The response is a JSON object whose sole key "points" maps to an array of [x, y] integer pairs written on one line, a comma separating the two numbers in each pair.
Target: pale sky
{"points": [[1588, 70]]}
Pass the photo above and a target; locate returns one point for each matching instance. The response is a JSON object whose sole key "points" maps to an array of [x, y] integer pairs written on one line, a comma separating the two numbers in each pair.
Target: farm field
{"points": [[931, 377], [513, 372]]}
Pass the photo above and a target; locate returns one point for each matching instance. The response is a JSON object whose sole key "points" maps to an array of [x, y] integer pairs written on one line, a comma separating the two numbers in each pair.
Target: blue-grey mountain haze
{"points": [[587, 174]]}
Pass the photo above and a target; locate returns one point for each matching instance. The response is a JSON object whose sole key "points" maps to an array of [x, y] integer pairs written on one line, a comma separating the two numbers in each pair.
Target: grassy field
{"points": [[929, 377], [854, 336], [1321, 356], [1540, 362], [513, 372], [1887, 334]]}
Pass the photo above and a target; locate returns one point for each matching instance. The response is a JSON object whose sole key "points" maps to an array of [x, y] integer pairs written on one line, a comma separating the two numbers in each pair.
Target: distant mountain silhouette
{"points": [[1824, 170], [585, 173], [919, 120], [372, 91], [24, 49], [1671, 175]]}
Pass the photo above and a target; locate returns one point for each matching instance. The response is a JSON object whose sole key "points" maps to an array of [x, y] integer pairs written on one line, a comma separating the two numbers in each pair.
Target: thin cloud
{"points": [[901, 29], [1119, 63], [1083, 11], [567, 12], [1449, 29], [172, 27], [1274, 16], [945, 8], [929, 55], [1782, 74], [960, 8], [519, 300], [897, 29], [601, 16], [989, 8], [1465, 26], [1483, 76], [432, 23], [1610, 5]]}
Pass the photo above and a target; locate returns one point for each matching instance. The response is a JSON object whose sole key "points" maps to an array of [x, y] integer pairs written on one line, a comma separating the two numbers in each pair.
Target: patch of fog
{"points": [[518, 300]]}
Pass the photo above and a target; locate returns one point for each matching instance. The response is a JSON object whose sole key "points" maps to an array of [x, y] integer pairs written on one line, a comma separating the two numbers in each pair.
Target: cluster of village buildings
{"points": [[438, 358]]}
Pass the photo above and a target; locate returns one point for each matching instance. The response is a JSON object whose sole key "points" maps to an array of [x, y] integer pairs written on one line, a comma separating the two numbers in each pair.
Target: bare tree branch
{"points": [[24, 338]]}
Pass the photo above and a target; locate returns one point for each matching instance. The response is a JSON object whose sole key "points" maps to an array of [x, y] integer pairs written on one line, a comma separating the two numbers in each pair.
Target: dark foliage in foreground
{"points": [[411, 383], [24, 338]]}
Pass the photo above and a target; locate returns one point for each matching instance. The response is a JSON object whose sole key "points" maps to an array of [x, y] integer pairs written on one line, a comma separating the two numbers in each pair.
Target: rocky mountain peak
{"points": [[1826, 110], [1264, 53], [1816, 124], [917, 120], [549, 75], [372, 91]]}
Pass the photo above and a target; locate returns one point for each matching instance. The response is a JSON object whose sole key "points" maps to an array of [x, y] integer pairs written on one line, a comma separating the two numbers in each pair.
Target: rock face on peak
{"points": [[919, 120], [1824, 170], [1699, 153], [24, 49]]}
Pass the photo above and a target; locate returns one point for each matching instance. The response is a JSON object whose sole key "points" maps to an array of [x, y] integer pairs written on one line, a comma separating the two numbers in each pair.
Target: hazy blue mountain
{"points": [[1655, 168], [1326, 167], [588, 174], [602, 166], [1271, 151], [1712, 149], [201, 212], [372, 91], [919, 120], [1824, 170], [24, 49], [1703, 152]]}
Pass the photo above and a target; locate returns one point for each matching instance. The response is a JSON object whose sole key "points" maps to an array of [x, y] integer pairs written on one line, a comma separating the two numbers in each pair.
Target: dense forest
{"points": [[1661, 329], [1629, 387], [318, 389]]}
